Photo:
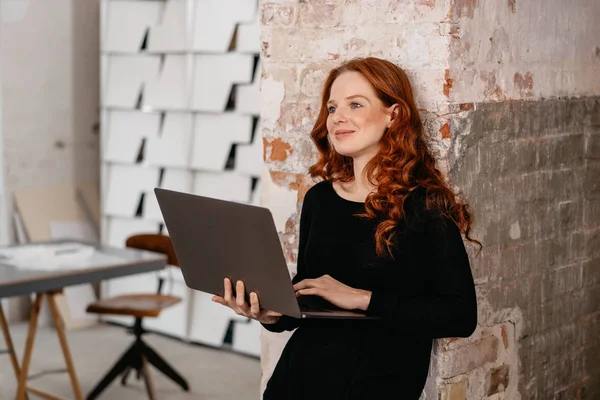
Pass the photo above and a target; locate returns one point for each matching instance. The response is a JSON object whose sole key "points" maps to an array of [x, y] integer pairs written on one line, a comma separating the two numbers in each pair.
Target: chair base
{"points": [[137, 358]]}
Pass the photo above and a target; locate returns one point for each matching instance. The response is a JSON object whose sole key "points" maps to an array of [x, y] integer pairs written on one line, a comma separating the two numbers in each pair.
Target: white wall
{"points": [[3, 224], [49, 100], [50, 88]]}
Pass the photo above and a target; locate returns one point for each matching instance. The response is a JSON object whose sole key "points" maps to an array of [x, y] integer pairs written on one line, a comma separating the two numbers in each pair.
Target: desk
{"points": [[106, 263]]}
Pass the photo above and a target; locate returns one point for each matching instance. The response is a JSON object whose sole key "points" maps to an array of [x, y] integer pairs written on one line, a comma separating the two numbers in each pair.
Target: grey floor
{"points": [[212, 374]]}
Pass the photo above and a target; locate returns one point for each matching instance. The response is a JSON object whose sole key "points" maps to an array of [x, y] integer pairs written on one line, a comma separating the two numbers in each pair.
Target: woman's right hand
{"points": [[239, 305]]}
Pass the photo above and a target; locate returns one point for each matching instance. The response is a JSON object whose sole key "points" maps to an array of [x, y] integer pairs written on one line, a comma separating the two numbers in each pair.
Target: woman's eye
{"points": [[355, 105], [331, 110]]}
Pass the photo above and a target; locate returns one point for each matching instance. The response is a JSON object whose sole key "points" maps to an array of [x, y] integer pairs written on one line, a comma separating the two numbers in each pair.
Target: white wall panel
{"points": [[185, 76], [126, 77], [126, 184], [127, 23], [248, 98], [215, 22], [172, 320], [180, 180], [211, 320], [168, 89], [104, 27], [104, 61], [246, 337], [125, 132], [215, 75], [225, 186], [249, 157], [172, 146], [255, 198], [169, 35], [213, 137], [248, 37]]}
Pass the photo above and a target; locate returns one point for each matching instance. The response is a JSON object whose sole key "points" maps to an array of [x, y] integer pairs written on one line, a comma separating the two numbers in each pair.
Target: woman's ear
{"points": [[392, 112]]}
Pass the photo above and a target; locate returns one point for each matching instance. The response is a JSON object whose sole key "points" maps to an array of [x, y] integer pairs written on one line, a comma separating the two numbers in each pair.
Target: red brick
{"points": [[524, 84], [465, 8], [447, 83], [277, 14], [454, 391], [467, 358], [311, 81], [305, 45], [428, 3], [280, 150], [297, 115], [504, 337], [320, 14], [298, 182], [498, 380], [445, 131]]}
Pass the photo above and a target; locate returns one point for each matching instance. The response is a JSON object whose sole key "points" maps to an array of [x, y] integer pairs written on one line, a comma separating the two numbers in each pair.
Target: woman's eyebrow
{"points": [[354, 96]]}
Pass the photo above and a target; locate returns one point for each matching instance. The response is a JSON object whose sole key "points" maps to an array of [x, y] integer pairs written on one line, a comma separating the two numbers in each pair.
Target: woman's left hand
{"points": [[335, 292]]}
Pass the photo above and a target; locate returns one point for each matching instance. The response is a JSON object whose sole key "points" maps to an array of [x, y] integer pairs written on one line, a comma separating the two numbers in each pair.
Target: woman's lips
{"points": [[343, 133]]}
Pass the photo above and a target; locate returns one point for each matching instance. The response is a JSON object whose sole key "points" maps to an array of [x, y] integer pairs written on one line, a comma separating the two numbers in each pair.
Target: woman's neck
{"points": [[361, 184]]}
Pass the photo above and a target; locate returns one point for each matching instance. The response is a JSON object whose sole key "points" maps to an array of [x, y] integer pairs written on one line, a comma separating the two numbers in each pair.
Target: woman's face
{"points": [[357, 118]]}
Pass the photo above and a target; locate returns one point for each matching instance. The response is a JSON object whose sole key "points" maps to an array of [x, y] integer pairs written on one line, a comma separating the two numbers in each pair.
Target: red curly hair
{"points": [[403, 162]]}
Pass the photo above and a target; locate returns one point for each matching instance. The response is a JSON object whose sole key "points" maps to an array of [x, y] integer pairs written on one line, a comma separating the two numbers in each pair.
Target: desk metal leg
{"points": [[58, 323], [33, 321]]}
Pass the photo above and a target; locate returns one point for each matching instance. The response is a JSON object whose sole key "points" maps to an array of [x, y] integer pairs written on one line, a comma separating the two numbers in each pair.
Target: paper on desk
{"points": [[48, 257]]}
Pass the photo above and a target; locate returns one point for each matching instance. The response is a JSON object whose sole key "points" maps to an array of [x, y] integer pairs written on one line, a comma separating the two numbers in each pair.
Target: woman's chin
{"points": [[345, 152], [351, 151]]}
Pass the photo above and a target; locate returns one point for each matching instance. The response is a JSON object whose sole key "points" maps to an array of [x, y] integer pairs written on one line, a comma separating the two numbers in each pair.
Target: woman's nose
{"points": [[339, 116]]}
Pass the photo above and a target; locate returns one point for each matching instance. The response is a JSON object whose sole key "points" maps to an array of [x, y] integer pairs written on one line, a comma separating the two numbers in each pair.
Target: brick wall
{"points": [[301, 41], [531, 172], [529, 168]]}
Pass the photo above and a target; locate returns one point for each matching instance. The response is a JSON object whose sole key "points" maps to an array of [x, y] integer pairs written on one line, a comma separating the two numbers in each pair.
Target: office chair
{"points": [[140, 306]]}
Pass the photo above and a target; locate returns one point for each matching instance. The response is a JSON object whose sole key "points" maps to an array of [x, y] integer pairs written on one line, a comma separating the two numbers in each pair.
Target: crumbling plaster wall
{"points": [[462, 55]]}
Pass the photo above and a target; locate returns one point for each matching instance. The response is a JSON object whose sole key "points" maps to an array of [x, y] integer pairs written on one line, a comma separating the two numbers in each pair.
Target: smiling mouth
{"points": [[340, 134]]}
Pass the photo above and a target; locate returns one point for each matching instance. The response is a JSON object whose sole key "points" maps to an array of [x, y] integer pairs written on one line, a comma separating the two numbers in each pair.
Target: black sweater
{"points": [[426, 291]]}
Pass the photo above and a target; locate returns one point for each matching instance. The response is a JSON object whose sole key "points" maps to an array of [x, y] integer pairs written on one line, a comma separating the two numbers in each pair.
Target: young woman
{"points": [[381, 232]]}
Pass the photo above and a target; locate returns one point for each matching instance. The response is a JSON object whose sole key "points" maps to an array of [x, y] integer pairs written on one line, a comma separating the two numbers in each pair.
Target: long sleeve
{"points": [[449, 309], [285, 322]]}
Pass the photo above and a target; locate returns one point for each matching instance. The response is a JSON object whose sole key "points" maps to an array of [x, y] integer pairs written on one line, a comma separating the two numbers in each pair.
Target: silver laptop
{"points": [[214, 239]]}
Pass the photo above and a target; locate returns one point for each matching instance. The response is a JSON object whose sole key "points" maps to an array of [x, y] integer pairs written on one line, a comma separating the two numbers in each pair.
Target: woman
{"points": [[380, 233]]}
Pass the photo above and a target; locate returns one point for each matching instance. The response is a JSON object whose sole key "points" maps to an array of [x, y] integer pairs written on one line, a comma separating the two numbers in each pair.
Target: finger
{"points": [[254, 305], [219, 299], [309, 291], [305, 283], [227, 295], [239, 296], [270, 313]]}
